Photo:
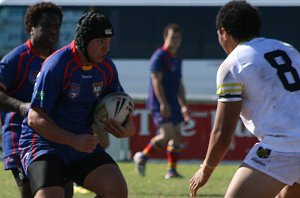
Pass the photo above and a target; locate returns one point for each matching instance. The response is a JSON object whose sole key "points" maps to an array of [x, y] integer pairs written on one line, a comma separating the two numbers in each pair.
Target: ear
{"points": [[31, 31], [224, 34]]}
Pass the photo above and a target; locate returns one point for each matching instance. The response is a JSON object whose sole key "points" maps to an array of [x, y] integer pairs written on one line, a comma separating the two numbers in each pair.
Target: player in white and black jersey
{"points": [[258, 82]]}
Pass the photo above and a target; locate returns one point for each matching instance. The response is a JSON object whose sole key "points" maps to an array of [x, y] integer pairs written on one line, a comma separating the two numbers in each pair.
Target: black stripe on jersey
{"points": [[230, 96]]}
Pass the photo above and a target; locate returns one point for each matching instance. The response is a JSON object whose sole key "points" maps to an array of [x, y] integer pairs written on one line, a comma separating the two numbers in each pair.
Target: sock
{"points": [[150, 149], [173, 153]]}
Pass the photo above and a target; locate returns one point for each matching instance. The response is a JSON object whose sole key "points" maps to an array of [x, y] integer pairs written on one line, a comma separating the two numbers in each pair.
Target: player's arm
{"points": [[227, 116], [46, 127], [159, 91], [102, 136], [182, 102], [8, 103], [119, 131]]}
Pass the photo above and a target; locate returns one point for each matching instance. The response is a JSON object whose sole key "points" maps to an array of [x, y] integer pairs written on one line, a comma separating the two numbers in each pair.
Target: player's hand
{"points": [[119, 131], [198, 180], [165, 110], [84, 143], [186, 114]]}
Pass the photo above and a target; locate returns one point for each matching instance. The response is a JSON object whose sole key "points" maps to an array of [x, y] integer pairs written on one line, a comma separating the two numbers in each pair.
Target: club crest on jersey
{"points": [[172, 65], [74, 90], [32, 76], [97, 87]]}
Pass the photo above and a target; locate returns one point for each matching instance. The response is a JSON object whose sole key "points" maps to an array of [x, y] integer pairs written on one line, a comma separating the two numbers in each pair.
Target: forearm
{"points": [[227, 116], [217, 149], [159, 92], [8, 103], [181, 96], [46, 127]]}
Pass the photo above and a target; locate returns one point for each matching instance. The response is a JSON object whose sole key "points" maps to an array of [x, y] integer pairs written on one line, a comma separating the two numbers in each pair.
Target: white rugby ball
{"points": [[117, 105]]}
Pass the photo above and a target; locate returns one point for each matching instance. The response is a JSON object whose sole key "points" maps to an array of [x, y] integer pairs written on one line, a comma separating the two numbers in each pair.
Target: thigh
{"points": [[79, 170], [99, 173], [166, 130], [47, 175], [290, 191], [248, 182], [107, 181], [177, 137]]}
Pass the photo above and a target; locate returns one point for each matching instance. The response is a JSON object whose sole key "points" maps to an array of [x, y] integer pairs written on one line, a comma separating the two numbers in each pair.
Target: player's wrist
{"points": [[207, 169], [184, 109]]}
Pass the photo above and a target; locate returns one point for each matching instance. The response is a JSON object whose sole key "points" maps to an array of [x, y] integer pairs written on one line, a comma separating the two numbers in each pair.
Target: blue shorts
{"points": [[12, 162], [175, 118], [67, 154]]}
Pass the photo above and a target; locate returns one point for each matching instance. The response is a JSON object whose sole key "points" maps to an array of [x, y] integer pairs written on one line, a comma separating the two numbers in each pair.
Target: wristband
{"points": [[207, 169], [208, 166]]}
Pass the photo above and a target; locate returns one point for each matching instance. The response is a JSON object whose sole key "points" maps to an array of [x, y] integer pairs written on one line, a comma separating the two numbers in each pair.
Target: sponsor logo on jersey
{"points": [[87, 76], [74, 90], [39, 95], [97, 87]]}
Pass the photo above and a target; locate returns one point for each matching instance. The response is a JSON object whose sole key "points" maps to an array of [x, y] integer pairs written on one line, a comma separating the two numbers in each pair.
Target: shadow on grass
{"points": [[145, 194]]}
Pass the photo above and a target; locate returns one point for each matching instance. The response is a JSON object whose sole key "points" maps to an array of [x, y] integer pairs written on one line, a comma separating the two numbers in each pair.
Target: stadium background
{"points": [[138, 25]]}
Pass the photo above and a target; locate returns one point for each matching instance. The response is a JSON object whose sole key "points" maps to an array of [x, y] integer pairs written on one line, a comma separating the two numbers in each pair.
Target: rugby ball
{"points": [[117, 105]]}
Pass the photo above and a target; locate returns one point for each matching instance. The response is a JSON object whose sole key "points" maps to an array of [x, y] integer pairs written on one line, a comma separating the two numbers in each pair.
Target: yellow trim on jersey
{"points": [[229, 85], [229, 91], [229, 88]]}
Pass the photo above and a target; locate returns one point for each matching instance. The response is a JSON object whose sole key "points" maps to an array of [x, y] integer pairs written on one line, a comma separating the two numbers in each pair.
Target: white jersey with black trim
{"points": [[264, 74]]}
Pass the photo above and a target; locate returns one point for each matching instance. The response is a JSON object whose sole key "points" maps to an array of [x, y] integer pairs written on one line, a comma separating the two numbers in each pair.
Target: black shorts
{"points": [[20, 177], [49, 170]]}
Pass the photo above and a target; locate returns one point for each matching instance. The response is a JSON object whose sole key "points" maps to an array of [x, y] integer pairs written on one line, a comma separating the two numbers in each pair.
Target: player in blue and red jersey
{"points": [[57, 140], [166, 102], [18, 71]]}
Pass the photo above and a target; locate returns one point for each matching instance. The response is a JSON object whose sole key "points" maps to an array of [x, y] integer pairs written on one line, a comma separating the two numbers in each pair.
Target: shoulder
{"points": [[59, 60], [159, 53], [15, 53]]}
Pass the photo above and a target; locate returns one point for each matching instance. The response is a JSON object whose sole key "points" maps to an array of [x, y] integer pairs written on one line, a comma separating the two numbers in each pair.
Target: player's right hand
{"points": [[165, 110], [198, 180], [85, 143]]}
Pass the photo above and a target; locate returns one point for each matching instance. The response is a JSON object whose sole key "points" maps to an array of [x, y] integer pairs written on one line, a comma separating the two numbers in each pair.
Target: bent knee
{"points": [[114, 192]]}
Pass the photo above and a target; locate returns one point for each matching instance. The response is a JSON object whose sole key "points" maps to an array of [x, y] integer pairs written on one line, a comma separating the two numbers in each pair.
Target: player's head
{"points": [[93, 28], [172, 36], [42, 22], [239, 19]]}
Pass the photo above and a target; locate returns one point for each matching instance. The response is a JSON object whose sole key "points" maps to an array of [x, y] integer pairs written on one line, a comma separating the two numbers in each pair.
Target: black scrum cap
{"points": [[90, 26]]}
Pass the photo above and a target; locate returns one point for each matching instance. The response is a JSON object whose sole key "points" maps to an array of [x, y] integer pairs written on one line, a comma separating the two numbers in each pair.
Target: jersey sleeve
{"points": [[157, 62], [49, 84], [8, 70], [229, 88]]}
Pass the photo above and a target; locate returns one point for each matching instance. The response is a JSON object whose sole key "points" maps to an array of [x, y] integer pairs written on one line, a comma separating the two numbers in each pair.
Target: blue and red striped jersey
{"points": [[18, 71]]}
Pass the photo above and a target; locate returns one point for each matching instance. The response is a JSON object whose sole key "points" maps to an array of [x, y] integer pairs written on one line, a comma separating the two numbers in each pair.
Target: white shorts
{"points": [[282, 166]]}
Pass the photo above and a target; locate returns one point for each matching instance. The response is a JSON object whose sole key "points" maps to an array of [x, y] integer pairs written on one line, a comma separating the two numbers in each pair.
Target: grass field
{"points": [[152, 186]]}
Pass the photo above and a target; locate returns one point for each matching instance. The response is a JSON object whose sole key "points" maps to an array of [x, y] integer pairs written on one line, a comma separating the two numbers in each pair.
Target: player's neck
{"points": [[170, 49], [42, 51]]}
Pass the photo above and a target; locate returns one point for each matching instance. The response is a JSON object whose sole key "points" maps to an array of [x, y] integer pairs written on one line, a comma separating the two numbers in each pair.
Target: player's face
{"points": [[226, 41], [173, 39], [46, 32], [98, 49], [222, 40]]}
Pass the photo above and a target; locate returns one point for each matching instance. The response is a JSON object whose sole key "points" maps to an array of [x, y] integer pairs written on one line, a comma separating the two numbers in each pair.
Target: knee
{"points": [[119, 191]]}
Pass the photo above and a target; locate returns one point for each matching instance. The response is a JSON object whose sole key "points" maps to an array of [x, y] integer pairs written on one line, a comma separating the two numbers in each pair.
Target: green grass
{"points": [[153, 185]]}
